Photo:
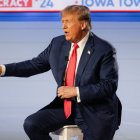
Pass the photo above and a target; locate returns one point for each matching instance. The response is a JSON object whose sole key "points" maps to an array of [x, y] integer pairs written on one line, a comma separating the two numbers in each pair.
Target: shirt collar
{"points": [[82, 42]]}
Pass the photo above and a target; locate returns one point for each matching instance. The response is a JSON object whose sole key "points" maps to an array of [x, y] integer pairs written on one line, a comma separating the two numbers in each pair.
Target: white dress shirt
{"points": [[80, 49]]}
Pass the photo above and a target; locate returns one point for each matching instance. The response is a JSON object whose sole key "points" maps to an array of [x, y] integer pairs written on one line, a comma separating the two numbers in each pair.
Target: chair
{"points": [[69, 132]]}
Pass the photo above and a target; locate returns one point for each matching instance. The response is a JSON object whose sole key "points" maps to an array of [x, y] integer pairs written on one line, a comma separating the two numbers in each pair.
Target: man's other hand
{"points": [[65, 92]]}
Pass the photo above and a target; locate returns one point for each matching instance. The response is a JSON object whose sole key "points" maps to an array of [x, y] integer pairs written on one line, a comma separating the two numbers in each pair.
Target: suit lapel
{"points": [[87, 52], [64, 54]]}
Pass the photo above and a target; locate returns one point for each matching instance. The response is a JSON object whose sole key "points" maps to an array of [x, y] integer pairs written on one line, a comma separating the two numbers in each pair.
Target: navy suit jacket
{"points": [[97, 78]]}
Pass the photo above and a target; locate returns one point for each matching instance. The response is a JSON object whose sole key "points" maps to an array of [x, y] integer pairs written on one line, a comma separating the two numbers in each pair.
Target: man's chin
{"points": [[67, 38]]}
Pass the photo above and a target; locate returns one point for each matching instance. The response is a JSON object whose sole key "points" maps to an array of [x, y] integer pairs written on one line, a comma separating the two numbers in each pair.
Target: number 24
{"points": [[46, 3]]}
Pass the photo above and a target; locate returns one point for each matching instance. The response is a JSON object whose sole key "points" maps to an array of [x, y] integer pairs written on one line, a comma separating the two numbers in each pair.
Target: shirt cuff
{"points": [[78, 95], [3, 70]]}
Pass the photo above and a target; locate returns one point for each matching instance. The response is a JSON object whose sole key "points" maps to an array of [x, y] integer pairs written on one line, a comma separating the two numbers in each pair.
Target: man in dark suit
{"points": [[95, 108]]}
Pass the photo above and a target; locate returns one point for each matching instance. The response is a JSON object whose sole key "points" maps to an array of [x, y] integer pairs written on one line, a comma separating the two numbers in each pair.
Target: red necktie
{"points": [[70, 78]]}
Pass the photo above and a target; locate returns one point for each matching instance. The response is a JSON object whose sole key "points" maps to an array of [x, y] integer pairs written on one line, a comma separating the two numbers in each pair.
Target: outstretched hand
{"points": [[65, 92], [0, 70]]}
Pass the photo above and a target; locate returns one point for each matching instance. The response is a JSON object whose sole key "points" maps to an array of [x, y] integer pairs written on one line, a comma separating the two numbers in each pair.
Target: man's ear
{"points": [[83, 25]]}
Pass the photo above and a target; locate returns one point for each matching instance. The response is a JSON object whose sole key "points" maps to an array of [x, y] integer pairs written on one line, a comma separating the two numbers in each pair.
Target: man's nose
{"points": [[64, 26]]}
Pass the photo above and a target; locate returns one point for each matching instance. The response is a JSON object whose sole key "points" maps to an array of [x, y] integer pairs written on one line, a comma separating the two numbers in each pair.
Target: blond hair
{"points": [[82, 12]]}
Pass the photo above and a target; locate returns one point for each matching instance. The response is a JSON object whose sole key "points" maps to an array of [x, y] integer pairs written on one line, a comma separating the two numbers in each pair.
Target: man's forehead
{"points": [[68, 16]]}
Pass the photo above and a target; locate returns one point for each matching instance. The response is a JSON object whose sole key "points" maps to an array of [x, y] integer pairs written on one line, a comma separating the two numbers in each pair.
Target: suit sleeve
{"points": [[31, 67], [108, 82]]}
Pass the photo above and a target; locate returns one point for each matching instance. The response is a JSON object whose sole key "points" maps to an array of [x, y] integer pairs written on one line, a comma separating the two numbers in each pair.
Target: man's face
{"points": [[72, 28]]}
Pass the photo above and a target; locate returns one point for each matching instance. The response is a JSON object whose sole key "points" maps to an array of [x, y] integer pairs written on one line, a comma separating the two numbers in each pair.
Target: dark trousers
{"points": [[38, 125]]}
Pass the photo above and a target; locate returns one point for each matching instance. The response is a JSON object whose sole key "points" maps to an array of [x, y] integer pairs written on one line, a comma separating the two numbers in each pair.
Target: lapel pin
{"points": [[88, 52]]}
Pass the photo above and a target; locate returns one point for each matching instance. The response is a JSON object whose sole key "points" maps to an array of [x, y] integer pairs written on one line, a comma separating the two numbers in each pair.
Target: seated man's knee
{"points": [[29, 125]]}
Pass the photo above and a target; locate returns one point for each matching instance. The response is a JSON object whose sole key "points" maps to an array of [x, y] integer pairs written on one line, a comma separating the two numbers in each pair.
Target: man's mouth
{"points": [[66, 33]]}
